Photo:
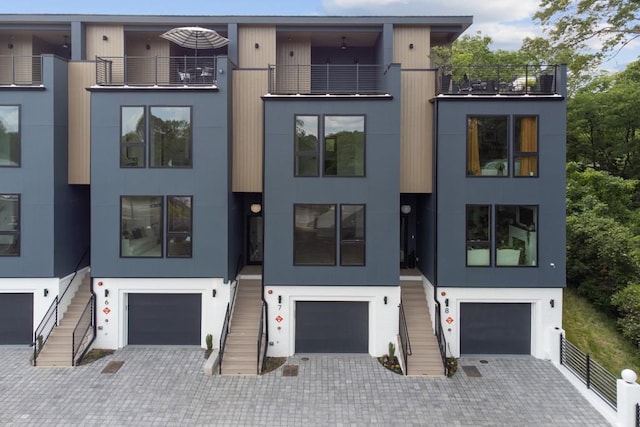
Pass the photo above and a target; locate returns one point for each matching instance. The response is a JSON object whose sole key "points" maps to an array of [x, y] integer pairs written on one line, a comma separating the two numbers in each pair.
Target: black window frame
{"points": [[142, 145], [535, 229], [19, 144], [522, 154], [296, 263], [499, 174], [482, 244], [324, 146], [16, 232]]}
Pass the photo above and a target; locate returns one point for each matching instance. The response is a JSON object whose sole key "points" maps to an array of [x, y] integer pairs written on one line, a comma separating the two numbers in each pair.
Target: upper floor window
{"points": [[9, 225], [344, 145], [132, 137], [9, 136], [341, 151], [169, 136], [490, 151], [307, 146], [170, 141]]}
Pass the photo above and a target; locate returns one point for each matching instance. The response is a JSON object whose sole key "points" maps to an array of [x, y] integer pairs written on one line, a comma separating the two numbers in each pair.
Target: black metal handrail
{"points": [[637, 414], [263, 315], [43, 330], [404, 338], [442, 341], [75, 272], [85, 323], [26, 70], [223, 336], [590, 372]]}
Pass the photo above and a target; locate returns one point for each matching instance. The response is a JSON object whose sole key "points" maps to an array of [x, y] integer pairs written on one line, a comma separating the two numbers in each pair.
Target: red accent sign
{"points": [[449, 320], [279, 319], [106, 310], [269, 291]]}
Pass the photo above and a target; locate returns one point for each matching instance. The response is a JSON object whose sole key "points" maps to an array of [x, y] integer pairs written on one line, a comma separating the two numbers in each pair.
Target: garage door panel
{"points": [[164, 319], [332, 327], [16, 318], [495, 328]]}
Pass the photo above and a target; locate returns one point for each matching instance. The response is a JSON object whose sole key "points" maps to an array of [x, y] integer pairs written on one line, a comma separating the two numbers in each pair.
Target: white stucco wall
{"points": [[112, 326], [383, 318]]}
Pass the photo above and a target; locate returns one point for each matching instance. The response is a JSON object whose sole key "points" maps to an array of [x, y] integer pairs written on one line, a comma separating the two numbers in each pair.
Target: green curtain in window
{"points": [[528, 144], [473, 148]]}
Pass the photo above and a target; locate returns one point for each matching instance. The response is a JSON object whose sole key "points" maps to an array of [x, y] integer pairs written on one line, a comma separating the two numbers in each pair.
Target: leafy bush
{"points": [[628, 303]]}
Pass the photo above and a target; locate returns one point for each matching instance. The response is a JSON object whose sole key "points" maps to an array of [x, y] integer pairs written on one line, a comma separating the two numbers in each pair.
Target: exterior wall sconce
{"points": [[221, 71], [405, 209], [552, 303], [148, 46], [257, 46], [213, 293], [279, 299], [410, 45], [106, 293], [290, 53], [446, 302], [385, 299], [10, 45], [46, 292], [104, 37], [256, 208]]}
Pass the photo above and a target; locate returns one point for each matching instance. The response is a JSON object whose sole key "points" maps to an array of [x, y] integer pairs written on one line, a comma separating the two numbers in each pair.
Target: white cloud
{"points": [[507, 22]]}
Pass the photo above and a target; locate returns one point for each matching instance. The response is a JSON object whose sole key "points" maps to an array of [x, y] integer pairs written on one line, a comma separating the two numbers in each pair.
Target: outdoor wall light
{"points": [[10, 45], [256, 208], [221, 71], [290, 53], [104, 37], [385, 299], [405, 209], [257, 46], [148, 46], [46, 292], [629, 376], [410, 45], [213, 294], [106, 293], [279, 299], [552, 303]]}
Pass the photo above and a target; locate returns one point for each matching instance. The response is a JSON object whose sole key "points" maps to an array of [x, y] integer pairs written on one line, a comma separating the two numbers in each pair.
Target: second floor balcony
{"points": [[156, 71], [327, 79], [20, 70]]}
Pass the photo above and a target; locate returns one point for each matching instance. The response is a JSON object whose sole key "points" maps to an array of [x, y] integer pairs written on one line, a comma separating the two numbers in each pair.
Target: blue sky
{"points": [[507, 22]]}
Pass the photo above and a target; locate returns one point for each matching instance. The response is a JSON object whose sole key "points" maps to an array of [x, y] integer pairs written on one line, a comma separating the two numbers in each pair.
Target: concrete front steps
{"points": [[240, 353], [57, 351], [425, 357]]}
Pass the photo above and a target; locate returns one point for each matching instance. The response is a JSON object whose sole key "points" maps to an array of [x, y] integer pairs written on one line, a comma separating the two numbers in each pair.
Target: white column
{"points": [[554, 344], [628, 398]]}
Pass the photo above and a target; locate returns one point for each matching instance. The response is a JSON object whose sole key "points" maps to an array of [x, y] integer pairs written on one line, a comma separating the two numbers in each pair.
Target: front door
{"points": [[254, 239]]}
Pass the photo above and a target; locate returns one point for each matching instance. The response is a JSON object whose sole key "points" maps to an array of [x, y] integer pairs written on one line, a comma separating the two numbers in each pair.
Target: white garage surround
{"points": [[383, 318], [112, 295], [544, 317]]}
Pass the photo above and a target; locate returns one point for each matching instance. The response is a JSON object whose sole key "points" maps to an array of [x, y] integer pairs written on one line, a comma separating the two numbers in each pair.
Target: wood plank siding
{"points": [[250, 83], [290, 54], [418, 86], [81, 76]]}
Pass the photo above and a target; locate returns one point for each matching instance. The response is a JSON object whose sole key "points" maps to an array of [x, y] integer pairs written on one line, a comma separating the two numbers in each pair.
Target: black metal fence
{"points": [[20, 70], [326, 79], [596, 378], [404, 339]]}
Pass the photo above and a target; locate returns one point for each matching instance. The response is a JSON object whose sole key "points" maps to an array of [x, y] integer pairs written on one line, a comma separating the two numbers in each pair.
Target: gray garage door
{"points": [[166, 319], [16, 318], [332, 327], [488, 328]]}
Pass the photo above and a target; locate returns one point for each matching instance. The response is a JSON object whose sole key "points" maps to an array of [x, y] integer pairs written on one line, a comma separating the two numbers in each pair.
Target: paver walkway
{"points": [[165, 386]]}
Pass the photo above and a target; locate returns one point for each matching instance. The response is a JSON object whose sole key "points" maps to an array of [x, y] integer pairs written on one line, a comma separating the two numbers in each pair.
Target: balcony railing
{"points": [[20, 70], [156, 71], [326, 79], [500, 79]]}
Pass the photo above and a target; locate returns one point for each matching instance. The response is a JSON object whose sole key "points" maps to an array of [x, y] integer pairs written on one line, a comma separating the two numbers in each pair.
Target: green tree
{"points": [[627, 302]]}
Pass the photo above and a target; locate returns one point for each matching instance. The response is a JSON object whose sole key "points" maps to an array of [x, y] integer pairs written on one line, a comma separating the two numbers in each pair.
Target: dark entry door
{"points": [[332, 327], [164, 319], [16, 318], [254, 239], [495, 328]]}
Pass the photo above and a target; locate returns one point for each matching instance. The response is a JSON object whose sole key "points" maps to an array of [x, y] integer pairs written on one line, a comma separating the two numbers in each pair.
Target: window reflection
{"points": [[141, 219], [315, 234], [9, 136], [9, 225], [170, 137]]}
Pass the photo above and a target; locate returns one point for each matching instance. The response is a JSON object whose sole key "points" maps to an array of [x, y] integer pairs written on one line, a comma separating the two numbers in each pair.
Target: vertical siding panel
{"points": [[22, 46], [289, 78], [416, 126], [142, 70], [265, 54], [81, 75], [248, 88], [112, 47]]}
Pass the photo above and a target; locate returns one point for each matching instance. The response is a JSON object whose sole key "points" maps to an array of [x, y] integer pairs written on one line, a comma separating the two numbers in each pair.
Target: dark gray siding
{"points": [[455, 190], [51, 234], [379, 190], [207, 181]]}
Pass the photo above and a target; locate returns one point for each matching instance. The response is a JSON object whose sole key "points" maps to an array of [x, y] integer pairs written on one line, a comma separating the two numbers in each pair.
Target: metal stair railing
{"points": [[84, 325], [404, 338]]}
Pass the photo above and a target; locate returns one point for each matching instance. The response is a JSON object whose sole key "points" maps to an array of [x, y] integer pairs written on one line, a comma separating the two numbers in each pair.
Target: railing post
{"points": [[561, 349], [588, 359], [13, 69], [155, 69], [327, 87], [357, 77]]}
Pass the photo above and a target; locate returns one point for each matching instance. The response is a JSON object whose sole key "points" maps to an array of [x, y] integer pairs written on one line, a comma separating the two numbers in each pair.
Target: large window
{"points": [[352, 235], [132, 137], [478, 235], [9, 225], [9, 136], [344, 145], [179, 226], [516, 235], [307, 146], [141, 224], [314, 236], [341, 151], [169, 136], [491, 152]]}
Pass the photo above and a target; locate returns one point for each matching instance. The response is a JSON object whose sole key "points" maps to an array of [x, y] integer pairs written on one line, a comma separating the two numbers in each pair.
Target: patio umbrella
{"points": [[195, 38]]}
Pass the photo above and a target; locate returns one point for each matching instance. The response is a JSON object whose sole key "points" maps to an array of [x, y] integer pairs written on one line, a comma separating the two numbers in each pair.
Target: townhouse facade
{"points": [[312, 173]]}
